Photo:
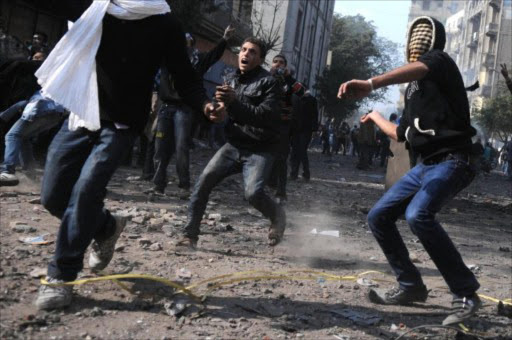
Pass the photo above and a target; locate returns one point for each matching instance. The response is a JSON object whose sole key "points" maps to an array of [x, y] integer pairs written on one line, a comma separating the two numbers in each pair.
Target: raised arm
{"points": [[357, 89]]}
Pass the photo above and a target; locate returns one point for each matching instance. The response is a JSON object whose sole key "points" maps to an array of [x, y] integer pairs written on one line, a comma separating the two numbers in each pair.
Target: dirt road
{"points": [[297, 305]]}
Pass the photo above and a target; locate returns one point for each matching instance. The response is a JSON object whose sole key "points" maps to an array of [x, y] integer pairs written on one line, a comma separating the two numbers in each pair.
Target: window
{"points": [[297, 29], [311, 41]]}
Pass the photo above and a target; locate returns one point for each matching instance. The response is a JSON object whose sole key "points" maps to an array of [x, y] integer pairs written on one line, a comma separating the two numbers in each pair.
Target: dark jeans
{"points": [[148, 170], [364, 156], [172, 134], [421, 193], [279, 171], [78, 168], [229, 160], [299, 155]]}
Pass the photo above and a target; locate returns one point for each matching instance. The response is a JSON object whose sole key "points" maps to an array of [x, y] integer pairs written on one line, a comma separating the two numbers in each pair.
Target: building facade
{"points": [[438, 9], [484, 42]]}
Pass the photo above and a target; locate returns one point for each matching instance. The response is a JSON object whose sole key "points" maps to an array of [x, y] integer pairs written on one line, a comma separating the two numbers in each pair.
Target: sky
{"points": [[390, 20]]}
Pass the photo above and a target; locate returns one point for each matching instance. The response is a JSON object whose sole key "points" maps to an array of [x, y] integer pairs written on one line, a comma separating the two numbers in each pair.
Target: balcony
{"points": [[488, 60], [485, 90], [473, 42], [491, 30], [495, 3]]}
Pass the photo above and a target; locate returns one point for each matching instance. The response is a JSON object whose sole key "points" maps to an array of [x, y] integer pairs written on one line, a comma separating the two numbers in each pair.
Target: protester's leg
{"points": [[282, 174], [85, 217], [39, 124], [256, 168], [224, 163], [182, 129], [295, 156], [382, 218], [149, 166], [441, 183], [13, 145], [305, 139], [164, 142], [66, 156], [143, 147]]}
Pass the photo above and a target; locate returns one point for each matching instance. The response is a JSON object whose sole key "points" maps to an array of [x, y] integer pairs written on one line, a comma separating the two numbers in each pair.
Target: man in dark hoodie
{"points": [[436, 126], [252, 100]]}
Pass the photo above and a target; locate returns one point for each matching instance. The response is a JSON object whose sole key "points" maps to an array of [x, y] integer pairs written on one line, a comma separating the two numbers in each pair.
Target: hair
{"points": [[260, 43], [282, 57]]}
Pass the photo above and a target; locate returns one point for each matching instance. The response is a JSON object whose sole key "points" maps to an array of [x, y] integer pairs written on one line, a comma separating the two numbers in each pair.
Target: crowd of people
{"points": [[267, 118]]}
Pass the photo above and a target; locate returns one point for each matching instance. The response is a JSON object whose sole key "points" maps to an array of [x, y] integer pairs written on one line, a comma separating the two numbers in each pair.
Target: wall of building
{"points": [[485, 42]]}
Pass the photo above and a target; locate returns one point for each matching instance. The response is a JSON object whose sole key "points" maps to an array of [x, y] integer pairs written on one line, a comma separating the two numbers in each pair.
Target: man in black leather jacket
{"points": [[252, 101]]}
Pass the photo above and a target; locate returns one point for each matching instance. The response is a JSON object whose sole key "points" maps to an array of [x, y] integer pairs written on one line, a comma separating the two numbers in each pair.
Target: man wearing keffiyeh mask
{"points": [[108, 91], [436, 127]]}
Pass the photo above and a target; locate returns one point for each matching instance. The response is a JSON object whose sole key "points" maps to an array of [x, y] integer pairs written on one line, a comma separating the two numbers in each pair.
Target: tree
{"points": [[495, 115], [357, 53], [266, 24]]}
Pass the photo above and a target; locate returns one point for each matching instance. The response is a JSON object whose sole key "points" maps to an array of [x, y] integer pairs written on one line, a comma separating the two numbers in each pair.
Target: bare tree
{"points": [[268, 30]]}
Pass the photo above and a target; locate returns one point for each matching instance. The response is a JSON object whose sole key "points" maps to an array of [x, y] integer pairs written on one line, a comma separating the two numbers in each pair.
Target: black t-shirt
{"points": [[436, 115]]}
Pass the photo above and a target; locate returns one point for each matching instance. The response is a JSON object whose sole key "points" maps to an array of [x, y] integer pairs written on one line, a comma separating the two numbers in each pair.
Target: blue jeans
{"points": [[229, 160], [78, 168], [421, 193], [173, 134], [39, 116]]}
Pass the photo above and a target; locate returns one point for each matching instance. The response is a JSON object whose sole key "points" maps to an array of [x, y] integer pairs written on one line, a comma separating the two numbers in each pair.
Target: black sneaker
{"points": [[462, 308], [398, 296]]}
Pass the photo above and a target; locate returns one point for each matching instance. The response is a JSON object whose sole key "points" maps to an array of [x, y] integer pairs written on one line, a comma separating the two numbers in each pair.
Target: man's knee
{"points": [[375, 217], [418, 219], [54, 205]]}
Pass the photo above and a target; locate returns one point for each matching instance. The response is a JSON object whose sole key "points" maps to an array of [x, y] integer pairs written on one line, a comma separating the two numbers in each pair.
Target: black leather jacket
{"points": [[254, 116]]}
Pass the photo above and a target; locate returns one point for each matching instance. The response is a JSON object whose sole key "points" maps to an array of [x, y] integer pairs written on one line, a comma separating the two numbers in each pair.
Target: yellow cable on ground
{"points": [[116, 277], [505, 302], [227, 279]]}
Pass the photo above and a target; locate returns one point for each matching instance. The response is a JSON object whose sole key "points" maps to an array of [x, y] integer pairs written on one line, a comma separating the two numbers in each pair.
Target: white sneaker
{"points": [[8, 179], [52, 297], [103, 251]]}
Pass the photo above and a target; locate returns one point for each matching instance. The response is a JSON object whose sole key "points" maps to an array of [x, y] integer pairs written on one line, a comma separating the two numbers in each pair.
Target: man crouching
{"points": [[251, 98]]}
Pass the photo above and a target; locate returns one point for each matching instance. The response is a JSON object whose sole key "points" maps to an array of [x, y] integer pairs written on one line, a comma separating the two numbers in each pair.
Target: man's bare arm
{"points": [[357, 89], [386, 126]]}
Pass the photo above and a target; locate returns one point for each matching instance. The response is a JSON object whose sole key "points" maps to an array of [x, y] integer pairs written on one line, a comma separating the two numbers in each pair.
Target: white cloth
{"points": [[68, 75]]}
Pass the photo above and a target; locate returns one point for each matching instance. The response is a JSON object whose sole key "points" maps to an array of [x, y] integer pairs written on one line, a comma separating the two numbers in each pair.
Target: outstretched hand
{"points": [[354, 89], [370, 116]]}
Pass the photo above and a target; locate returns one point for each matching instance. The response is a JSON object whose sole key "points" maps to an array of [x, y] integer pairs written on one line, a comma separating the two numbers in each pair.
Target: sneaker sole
{"points": [[375, 298]]}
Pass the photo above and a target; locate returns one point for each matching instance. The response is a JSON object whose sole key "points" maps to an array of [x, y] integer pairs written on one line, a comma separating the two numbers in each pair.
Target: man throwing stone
{"points": [[436, 127], [252, 101]]}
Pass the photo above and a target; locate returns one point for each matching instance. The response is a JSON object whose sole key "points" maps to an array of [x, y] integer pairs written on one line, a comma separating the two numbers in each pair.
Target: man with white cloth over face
{"points": [[102, 71]]}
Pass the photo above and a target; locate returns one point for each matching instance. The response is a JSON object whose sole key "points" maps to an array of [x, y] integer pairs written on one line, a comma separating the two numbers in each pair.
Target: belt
{"points": [[461, 156]]}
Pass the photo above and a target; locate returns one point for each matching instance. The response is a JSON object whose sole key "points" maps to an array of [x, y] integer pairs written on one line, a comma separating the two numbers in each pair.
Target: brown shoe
{"points": [[187, 243]]}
